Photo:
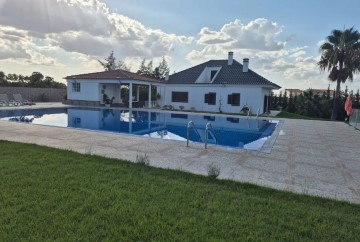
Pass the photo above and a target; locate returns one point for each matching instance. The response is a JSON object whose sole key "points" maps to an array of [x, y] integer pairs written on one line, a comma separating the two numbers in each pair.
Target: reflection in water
{"points": [[24, 119], [230, 131]]}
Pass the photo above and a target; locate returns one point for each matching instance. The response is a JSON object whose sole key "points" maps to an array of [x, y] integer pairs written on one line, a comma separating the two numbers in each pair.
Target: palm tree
{"points": [[340, 56]]}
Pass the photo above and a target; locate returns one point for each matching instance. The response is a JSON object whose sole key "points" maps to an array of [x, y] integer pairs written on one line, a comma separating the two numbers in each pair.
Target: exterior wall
{"points": [[253, 97], [89, 91], [266, 93], [35, 94]]}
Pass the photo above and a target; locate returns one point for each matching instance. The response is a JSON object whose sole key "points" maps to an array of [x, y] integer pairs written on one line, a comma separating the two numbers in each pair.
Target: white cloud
{"points": [[259, 34], [12, 44], [75, 33], [87, 27], [44, 16]]}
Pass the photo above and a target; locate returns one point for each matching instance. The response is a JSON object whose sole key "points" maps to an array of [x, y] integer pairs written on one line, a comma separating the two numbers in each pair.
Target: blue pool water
{"points": [[229, 131]]}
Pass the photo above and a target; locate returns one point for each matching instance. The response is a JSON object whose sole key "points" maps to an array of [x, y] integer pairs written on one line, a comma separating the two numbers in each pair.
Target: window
{"points": [[179, 115], [76, 122], [233, 120], [179, 97], [209, 118], [210, 98], [76, 87], [212, 74], [234, 99]]}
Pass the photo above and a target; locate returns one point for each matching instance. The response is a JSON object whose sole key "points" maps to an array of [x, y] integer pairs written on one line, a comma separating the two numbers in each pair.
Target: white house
{"points": [[213, 86], [89, 89]]}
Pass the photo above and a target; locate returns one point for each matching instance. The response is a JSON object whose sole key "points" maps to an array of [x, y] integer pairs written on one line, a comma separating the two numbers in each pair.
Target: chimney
{"points": [[230, 58], [167, 77], [245, 64]]}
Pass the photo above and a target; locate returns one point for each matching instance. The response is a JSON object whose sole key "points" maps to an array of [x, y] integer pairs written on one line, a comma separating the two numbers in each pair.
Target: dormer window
{"points": [[213, 73], [209, 74]]}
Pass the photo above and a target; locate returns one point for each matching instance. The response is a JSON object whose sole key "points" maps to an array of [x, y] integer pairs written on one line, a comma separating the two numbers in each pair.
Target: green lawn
{"points": [[284, 114], [50, 194]]}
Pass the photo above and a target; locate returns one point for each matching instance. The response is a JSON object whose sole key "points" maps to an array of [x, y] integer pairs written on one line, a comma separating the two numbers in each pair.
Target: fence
{"points": [[355, 119], [36, 94]]}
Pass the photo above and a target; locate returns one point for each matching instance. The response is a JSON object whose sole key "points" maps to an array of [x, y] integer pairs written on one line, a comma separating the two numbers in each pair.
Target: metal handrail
{"points": [[191, 124], [207, 127]]}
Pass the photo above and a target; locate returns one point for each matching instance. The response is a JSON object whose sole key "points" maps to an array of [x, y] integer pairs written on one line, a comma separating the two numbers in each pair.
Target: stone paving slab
{"points": [[310, 157]]}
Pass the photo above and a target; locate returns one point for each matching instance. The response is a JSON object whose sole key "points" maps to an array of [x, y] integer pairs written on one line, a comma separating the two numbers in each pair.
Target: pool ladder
{"points": [[208, 127]]}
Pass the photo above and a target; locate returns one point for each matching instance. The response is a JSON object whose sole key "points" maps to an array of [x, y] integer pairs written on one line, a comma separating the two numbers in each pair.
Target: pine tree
{"points": [[285, 100], [291, 106], [164, 69], [122, 66], [110, 62], [142, 68], [149, 69], [280, 99]]}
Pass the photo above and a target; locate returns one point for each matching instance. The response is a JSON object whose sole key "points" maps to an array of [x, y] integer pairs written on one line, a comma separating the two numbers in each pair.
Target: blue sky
{"points": [[64, 37]]}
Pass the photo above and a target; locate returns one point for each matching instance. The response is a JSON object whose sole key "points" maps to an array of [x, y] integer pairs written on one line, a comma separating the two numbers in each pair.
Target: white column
{"points": [[120, 100], [130, 121], [137, 93], [130, 95], [149, 98]]}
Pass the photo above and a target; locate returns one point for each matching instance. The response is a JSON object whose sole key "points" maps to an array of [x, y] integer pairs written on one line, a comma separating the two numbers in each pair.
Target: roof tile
{"points": [[115, 74], [229, 74]]}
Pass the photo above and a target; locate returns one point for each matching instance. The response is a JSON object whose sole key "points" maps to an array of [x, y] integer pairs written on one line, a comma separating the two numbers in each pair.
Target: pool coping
{"points": [[307, 156]]}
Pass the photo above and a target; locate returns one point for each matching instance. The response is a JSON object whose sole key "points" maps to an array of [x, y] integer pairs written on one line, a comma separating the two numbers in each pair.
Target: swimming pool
{"points": [[230, 131]]}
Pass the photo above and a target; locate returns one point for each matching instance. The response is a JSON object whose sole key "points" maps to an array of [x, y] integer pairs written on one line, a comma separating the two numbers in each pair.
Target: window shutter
{"points": [[236, 99], [206, 98], [230, 99]]}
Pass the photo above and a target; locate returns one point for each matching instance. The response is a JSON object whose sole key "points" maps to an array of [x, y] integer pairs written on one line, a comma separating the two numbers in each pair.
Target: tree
{"points": [[149, 69], [280, 99], [284, 101], [142, 68], [340, 56], [291, 107], [160, 72], [163, 69], [122, 66], [109, 63], [12, 77], [2, 77], [35, 79], [328, 93], [357, 99]]}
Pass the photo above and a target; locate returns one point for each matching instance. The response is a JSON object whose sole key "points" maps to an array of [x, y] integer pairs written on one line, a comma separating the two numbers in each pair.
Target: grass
{"points": [[50, 194], [284, 114]]}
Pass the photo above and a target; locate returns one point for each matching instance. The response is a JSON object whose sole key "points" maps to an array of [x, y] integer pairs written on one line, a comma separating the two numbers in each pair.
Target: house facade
{"points": [[214, 86], [219, 85]]}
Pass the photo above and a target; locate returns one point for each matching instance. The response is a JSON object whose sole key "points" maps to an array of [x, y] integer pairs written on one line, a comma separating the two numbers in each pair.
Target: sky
{"points": [[280, 37]]}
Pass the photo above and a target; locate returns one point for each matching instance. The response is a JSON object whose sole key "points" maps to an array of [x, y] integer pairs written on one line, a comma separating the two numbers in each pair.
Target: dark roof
{"points": [[115, 74], [229, 74]]}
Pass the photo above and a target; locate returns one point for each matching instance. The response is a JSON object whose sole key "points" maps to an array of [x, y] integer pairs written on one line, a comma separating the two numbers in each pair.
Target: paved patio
{"points": [[311, 157]]}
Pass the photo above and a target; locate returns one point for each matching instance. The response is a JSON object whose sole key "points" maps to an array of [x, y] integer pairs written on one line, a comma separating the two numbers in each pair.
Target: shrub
{"points": [[213, 171], [142, 159]]}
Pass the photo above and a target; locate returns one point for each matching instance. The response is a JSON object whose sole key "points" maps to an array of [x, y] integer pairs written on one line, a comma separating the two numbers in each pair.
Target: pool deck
{"points": [[310, 157]]}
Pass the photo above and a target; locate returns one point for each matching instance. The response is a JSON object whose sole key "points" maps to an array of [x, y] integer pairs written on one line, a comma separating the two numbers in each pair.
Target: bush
{"points": [[142, 159], [213, 171]]}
